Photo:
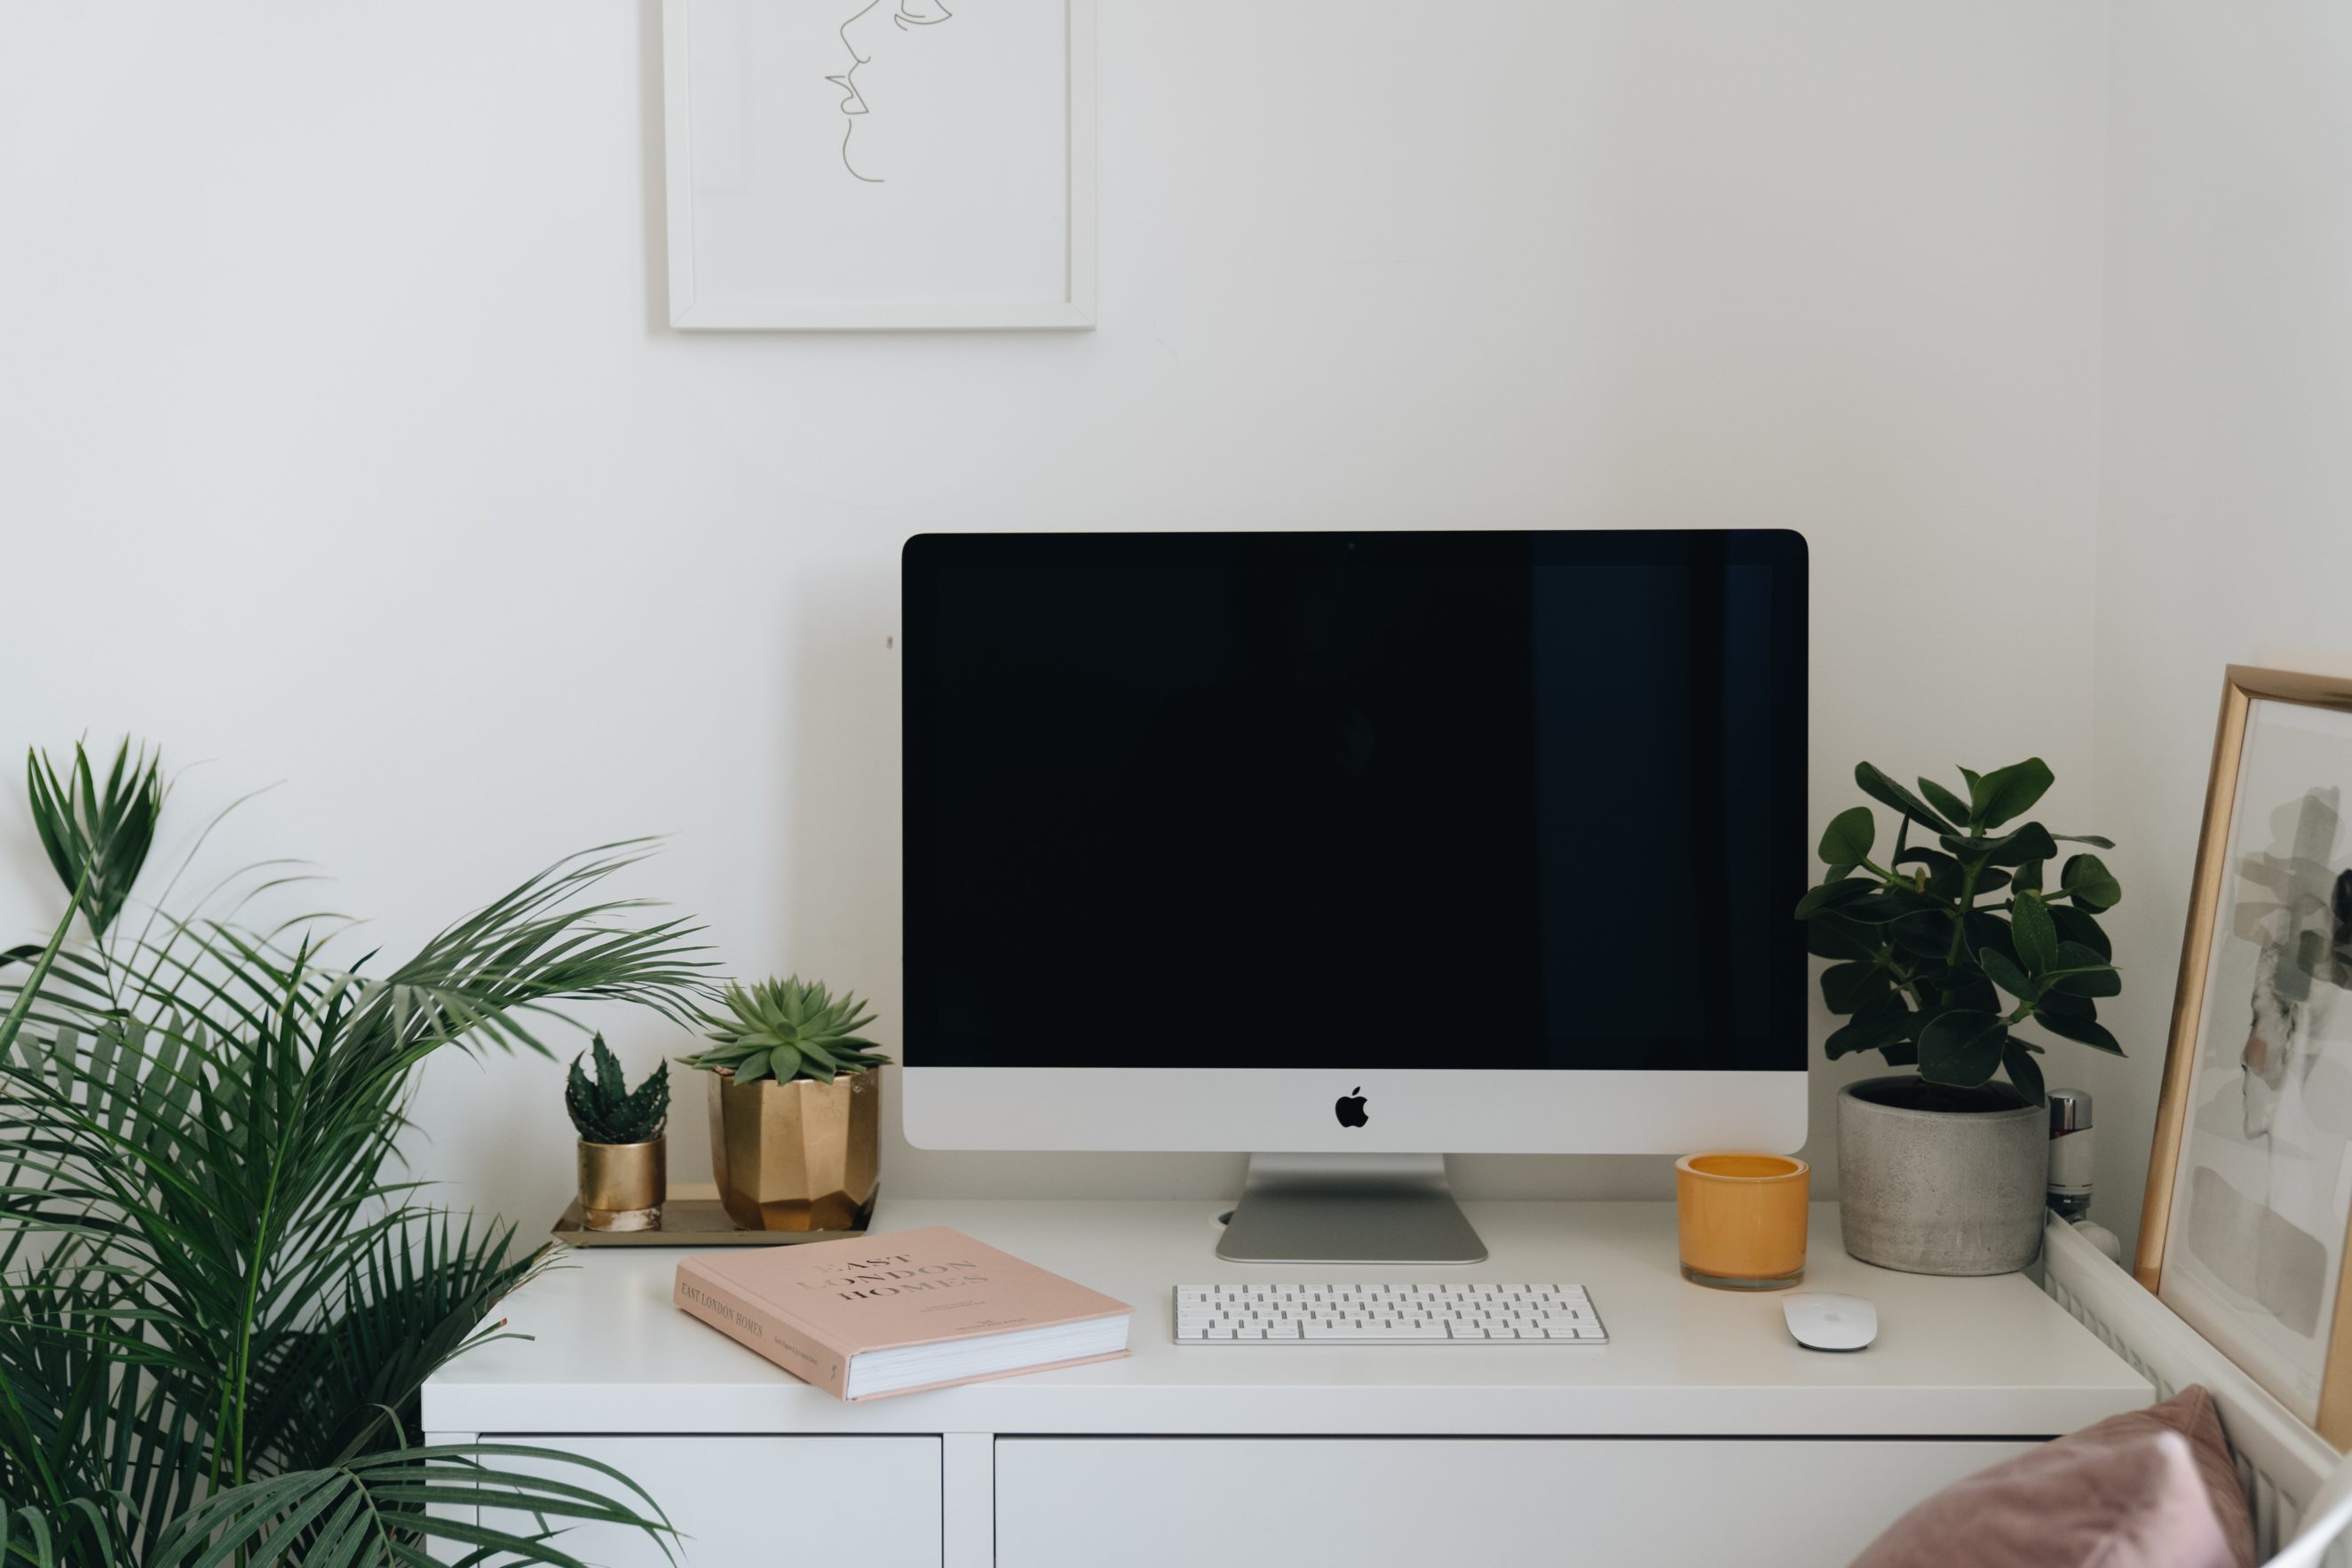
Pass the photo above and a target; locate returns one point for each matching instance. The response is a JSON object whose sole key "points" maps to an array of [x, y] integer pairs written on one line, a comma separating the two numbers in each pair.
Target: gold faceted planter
{"points": [[621, 1186], [802, 1155]]}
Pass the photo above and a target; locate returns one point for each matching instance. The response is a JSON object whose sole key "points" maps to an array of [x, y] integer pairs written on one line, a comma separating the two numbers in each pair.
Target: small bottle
{"points": [[2071, 1159], [2070, 1153]]}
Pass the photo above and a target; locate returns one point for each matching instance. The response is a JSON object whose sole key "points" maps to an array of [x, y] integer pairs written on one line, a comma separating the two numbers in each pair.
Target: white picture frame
{"points": [[700, 261]]}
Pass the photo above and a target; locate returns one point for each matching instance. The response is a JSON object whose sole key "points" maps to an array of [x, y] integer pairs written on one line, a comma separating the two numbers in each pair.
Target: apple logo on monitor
{"points": [[1350, 1108]]}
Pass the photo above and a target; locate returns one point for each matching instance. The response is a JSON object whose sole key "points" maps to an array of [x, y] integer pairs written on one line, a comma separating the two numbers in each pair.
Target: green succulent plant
{"points": [[786, 1029], [1939, 956], [604, 1110]]}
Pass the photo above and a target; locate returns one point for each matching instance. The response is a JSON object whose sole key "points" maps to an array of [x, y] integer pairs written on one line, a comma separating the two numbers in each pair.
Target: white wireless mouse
{"points": [[1823, 1322]]}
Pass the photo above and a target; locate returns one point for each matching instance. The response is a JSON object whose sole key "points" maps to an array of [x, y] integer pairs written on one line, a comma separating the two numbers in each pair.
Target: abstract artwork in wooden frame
{"points": [[2249, 1199]]}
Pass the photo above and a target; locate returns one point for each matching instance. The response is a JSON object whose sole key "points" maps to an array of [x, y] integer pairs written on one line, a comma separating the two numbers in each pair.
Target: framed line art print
{"points": [[879, 164], [2249, 1181]]}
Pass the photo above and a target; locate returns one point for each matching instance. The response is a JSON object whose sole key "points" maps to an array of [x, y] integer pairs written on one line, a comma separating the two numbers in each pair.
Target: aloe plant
{"points": [[604, 1110], [219, 1299], [1939, 956], [786, 1029]]}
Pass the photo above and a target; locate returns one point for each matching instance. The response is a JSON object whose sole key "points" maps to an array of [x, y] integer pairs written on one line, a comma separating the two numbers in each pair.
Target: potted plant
{"points": [[624, 1158], [796, 1107], [220, 1296], [1939, 956]]}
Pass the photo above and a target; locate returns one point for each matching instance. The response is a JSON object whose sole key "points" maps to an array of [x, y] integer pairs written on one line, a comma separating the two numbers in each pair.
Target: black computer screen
{"points": [[1457, 801]]}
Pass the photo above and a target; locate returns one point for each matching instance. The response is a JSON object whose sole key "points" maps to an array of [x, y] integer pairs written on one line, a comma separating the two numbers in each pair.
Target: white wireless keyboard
{"points": [[1386, 1314]]}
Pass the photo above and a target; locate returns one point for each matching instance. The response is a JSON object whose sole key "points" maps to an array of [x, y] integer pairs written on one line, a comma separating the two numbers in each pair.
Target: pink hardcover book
{"points": [[876, 1315]]}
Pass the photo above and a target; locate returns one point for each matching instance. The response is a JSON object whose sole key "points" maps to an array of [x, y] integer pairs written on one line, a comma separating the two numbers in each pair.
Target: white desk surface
{"points": [[1954, 1357]]}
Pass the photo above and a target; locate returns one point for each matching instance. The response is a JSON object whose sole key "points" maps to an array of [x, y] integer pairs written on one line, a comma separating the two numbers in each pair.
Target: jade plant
{"points": [[605, 1109], [1940, 954], [786, 1029]]}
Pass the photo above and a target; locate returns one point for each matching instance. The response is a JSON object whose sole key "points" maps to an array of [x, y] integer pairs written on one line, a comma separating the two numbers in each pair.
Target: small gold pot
{"points": [[621, 1186], [803, 1156]]}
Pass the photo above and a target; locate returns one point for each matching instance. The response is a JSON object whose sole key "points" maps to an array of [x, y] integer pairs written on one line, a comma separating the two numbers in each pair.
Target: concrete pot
{"points": [[1956, 1191]]}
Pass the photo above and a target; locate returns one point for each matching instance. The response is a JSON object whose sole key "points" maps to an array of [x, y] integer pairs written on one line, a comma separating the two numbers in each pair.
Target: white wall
{"points": [[346, 445], [2228, 485]]}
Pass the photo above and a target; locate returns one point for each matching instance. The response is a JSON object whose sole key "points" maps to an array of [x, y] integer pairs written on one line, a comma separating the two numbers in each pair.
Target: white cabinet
{"points": [[753, 1502], [1082, 1502], [1700, 1433]]}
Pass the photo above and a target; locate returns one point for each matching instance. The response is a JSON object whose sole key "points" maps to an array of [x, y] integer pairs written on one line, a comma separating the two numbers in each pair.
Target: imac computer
{"points": [[1352, 850]]}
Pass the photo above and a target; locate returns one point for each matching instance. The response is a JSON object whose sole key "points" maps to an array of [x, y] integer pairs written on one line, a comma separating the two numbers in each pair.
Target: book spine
{"points": [[761, 1328]]}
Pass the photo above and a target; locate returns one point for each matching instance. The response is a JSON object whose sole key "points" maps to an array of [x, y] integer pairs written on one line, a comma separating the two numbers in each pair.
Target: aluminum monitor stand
{"points": [[1348, 1208]]}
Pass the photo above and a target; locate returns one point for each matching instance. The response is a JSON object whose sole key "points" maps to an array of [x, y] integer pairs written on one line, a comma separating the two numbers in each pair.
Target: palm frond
{"points": [[81, 1432], [420, 1296], [381, 1509], [43, 962], [96, 839]]}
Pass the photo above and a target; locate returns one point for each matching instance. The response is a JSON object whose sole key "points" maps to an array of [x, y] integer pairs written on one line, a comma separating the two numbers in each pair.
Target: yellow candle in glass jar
{"points": [[1742, 1219]]}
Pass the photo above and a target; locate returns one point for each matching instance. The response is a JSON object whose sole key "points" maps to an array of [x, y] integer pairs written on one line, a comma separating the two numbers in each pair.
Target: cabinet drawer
{"points": [[748, 1502], [1146, 1502]]}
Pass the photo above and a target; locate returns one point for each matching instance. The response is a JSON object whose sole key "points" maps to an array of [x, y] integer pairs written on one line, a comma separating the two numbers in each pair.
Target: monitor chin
{"points": [[1389, 1111]]}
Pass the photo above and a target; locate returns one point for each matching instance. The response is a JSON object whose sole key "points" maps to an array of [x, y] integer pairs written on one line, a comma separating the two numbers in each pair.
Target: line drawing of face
{"points": [[864, 39]]}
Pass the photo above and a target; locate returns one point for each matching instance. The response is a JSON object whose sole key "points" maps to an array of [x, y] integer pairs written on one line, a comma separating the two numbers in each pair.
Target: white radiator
{"points": [[2283, 1462]]}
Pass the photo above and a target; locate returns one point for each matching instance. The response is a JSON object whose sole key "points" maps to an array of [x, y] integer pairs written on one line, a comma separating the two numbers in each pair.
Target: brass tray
{"points": [[691, 1216]]}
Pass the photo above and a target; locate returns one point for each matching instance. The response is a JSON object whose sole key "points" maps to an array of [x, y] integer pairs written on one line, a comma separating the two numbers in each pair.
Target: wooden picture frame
{"points": [[740, 207], [2244, 1230]]}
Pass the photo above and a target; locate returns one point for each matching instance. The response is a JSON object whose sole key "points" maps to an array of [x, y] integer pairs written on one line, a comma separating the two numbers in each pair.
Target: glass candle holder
{"points": [[1742, 1219]]}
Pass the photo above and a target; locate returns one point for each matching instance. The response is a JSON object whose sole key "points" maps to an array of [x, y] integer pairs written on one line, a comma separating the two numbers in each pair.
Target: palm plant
{"points": [[219, 1297]]}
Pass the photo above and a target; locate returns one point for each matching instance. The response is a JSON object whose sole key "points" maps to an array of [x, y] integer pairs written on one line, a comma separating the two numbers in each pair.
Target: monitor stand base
{"points": [[1348, 1208]]}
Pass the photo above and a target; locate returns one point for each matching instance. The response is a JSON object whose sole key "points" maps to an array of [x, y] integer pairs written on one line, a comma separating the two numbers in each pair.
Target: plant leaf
{"points": [[1848, 838], [2076, 925], [1831, 895], [2034, 933], [2003, 971], [1893, 904], [1879, 1026], [2009, 792], [1846, 986], [2017, 1058], [2080, 972], [1988, 931], [1943, 800], [2074, 1026], [1961, 1047], [1963, 985], [2031, 842], [1887, 792], [2093, 886]]}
